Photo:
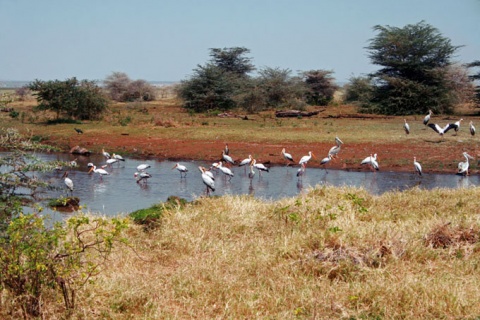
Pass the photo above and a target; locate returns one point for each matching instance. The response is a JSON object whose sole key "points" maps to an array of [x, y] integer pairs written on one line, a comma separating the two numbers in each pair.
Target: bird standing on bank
{"points": [[287, 156], [427, 117], [406, 127], [79, 131], [335, 149], [417, 166], [472, 128]]}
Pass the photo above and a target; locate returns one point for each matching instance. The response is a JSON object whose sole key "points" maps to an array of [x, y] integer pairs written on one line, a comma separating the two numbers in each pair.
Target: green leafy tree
{"points": [[320, 85], [220, 84], [359, 90], [82, 100], [37, 258], [210, 88], [280, 89], [413, 77], [232, 60]]}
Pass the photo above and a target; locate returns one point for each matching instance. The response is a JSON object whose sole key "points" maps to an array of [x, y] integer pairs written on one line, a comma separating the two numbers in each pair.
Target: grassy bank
{"points": [[332, 253]]}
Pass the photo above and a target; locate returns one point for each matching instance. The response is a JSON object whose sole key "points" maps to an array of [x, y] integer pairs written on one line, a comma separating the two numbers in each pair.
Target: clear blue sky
{"points": [[165, 40]]}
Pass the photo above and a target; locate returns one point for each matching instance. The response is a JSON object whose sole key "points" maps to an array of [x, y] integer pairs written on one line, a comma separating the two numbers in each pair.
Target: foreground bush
{"points": [[328, 254]]}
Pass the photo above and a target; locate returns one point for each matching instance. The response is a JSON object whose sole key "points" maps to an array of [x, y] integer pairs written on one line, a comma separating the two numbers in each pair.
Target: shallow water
{"points": [[119, 193]]}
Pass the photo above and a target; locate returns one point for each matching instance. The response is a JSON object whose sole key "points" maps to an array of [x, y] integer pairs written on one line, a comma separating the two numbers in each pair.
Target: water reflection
{"points": [[119, 192]]}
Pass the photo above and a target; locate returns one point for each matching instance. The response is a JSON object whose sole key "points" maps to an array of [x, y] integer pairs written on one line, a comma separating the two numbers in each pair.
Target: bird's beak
{"points": [[314, 156], [174, 167], [91, 169]]}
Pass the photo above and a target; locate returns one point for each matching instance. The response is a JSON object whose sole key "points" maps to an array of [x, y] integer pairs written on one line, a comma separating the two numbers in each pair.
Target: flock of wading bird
{"points": [[141, 175]]}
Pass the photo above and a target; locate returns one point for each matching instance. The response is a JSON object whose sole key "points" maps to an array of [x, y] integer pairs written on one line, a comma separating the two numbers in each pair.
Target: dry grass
{"points": [[332, 253]]}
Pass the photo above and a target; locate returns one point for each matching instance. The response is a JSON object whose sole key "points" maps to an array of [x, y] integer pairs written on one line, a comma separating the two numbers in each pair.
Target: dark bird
{"points": [[79, 131], [472, 128], [427, 117]]}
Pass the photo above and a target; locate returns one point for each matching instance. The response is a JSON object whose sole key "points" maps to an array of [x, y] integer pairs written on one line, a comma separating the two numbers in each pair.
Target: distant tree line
{"points": [[417, 73], [225, 83]]}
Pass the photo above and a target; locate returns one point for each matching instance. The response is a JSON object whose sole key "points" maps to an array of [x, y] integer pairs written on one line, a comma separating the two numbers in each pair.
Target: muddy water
{"points": [[119, 193]]}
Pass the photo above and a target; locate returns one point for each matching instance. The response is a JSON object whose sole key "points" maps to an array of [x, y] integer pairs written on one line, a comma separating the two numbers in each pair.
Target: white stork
{"points": [[227, 158], [287, 156], [183, 170], [307, 158], [372, 161], [100, 171], [226, 171], [417, 166], [463, 166], [105, 154], [441, 131], [142, 176], [245, 161], [335, 149], [207, 180], [406, 127], [143, 167], [118, 157], [325, 161], [456, 125], [260, 166], [472, 128], [68, 182], [427, 117], [301, 171]]}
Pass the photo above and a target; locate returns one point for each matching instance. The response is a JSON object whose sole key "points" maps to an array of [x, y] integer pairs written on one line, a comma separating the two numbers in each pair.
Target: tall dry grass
{"points": [[330, 253]]}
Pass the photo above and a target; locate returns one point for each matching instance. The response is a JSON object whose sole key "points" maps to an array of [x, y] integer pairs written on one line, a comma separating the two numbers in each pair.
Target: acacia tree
{"points": [[121, 88], [72, 98], [232, 60], [476, 78], [219, 83], [320, 86], [413, 77]]}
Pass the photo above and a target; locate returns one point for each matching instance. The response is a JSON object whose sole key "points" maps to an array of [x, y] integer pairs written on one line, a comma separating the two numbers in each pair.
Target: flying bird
{"points": [[472, 128], [372, 161], [406, 127], [441, 131], [417, 166], [427, 117]]}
